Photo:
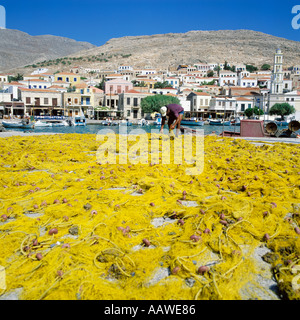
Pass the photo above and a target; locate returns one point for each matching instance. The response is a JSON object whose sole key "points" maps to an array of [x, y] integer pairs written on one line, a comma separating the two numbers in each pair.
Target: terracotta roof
{"points": [[171, 95], [37, 90], [96, 90], [57, 87], [66, 73], [14, 83], [60, 82], [81, 85], [139, 92], [201, 93], [242, 99]]}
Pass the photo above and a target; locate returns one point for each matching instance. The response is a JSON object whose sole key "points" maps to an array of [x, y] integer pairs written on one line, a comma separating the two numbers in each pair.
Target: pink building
{"points": [[117, 86]]}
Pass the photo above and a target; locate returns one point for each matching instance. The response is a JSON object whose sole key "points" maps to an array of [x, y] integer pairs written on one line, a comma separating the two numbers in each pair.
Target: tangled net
{"points": [[74, 228]]}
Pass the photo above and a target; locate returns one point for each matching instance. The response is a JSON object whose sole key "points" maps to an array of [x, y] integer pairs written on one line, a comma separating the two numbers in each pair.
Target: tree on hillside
{"points": [[161, 85], [15, 78], [210, 73], [251, 68], [265, 67], [226, 66], [217, 68], [154, 103], [282, 109]]}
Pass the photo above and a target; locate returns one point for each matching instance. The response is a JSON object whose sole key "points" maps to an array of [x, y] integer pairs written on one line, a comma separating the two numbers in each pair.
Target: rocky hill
{"points": [[18, 48], [170, 50], [167, 51]]}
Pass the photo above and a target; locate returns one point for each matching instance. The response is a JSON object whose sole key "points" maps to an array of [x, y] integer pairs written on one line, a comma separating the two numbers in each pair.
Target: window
{"points": [[128, 101], [28, 100], [135, 102], [88, 101], [249, 105], [119, 89], [128, 113], [54, 101], [76, 101], [46, 101], [75, 79], [59, 79]]}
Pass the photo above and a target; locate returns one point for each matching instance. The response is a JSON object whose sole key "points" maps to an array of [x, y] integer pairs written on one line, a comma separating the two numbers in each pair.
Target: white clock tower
{"points": [[277, 76]]}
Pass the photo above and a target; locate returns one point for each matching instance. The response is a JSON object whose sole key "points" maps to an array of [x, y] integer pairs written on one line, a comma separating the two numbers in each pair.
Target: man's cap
{"points": [[163, 111]]}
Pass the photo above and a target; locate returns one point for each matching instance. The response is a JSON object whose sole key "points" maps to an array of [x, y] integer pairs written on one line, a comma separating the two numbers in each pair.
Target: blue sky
{"points": [[97, 21]]}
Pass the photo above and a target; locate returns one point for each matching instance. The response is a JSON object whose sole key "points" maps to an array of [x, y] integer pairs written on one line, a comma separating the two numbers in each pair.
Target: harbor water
{"points": [[95, 128]]}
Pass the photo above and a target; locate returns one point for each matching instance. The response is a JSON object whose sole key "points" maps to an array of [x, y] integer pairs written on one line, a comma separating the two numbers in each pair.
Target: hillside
{"points": [[167, 51], [18, 48], [170, 50]]}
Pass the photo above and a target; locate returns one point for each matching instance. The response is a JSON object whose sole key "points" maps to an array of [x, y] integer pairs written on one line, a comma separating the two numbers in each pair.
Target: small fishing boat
{"points": [[58, 123], [23, 124], [219, 123], [158, 121], [282, 123], [188, 122], [41, 124], [236, 122], [78, 121], [143, 122]]}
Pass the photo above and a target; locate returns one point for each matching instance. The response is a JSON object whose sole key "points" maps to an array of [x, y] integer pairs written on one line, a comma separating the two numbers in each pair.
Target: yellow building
{"points": [[72, 78]]}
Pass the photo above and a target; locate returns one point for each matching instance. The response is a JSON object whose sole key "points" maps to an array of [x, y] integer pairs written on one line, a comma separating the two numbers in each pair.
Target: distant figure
{"points": [[175, 114]]}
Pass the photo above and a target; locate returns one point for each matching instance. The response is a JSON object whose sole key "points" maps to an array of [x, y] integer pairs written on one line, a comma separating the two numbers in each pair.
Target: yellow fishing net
{"points": [[74, 227]]}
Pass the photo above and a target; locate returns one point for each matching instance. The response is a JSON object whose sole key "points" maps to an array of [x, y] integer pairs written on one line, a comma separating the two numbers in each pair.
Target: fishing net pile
{"points": [[73, 227]]}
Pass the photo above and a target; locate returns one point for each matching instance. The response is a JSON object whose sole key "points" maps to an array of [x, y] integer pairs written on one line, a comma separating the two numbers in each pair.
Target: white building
{"points": [[247, 82], [173, 82], [220, 104], [227, 77], [36, 84], [296, 70], [125, 68], [39, 71], [240, 67], [200, 101]]}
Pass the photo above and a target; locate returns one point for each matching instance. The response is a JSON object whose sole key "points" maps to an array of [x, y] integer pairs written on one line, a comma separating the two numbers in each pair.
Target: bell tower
{"points": [[277, 76]]}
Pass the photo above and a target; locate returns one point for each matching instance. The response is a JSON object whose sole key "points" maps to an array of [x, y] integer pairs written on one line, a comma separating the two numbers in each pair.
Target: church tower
{"points": [[277, 76], [2, 18]]}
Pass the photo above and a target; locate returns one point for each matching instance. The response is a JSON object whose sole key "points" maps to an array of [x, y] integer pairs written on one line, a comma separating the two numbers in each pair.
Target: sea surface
{"points": [[134, 129]]}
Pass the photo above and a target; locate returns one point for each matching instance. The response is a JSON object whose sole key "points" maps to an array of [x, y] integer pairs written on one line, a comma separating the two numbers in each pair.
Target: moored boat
{"points": [[188, 122], [219, 123], [23, 124], [78, 121]]}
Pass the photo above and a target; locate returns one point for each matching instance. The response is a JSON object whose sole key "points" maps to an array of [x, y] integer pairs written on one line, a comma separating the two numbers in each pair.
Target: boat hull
{"points": [[7, 124], [192, 123], [219, 123]]}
